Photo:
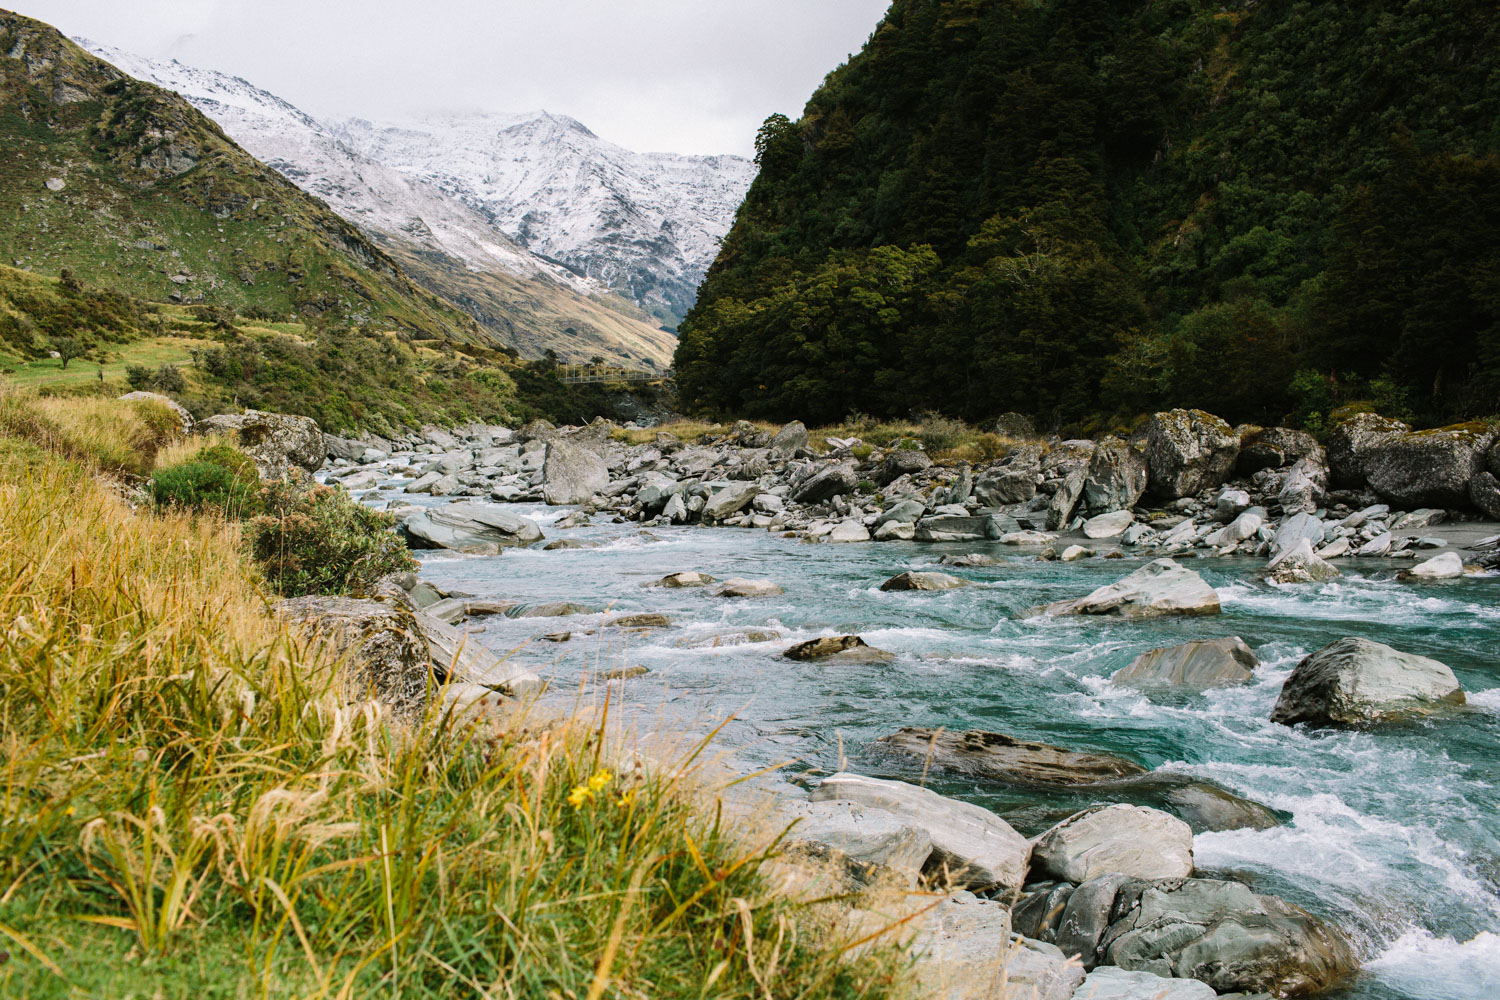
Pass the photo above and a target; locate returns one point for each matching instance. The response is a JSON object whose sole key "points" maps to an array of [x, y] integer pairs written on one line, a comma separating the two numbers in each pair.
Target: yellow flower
{"points": [[600, 779], [579, 795], [624, 799]]}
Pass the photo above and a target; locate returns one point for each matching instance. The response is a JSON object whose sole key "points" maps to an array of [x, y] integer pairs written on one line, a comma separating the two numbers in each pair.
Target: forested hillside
{"points": [[1087, 209]]}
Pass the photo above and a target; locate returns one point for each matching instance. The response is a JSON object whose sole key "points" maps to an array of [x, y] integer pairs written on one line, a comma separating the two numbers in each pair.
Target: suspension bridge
{"points": [[579, 374]]}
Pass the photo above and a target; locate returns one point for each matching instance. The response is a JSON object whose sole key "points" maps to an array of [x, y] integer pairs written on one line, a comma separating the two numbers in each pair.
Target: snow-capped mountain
{"points": [[645, 224]]}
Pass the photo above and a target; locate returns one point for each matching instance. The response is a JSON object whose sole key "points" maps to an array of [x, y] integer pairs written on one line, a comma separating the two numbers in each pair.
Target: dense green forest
{"points": [[1087, 209]]}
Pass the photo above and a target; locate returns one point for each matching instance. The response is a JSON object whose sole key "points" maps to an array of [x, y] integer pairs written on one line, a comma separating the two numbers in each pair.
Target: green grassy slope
{"points": [[127, 186]]}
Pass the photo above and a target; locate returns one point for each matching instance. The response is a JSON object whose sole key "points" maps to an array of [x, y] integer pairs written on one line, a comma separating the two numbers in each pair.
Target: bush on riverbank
{"points": [[320, 540], [195, 804]]}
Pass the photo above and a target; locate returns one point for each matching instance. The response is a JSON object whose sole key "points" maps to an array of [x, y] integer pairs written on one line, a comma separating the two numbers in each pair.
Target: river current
{"points": [[1392, 833]]}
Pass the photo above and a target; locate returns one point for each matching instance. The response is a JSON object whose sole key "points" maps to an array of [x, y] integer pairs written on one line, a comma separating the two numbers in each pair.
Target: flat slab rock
{"points": [[1110, 983], [738, 587], [924, 581], [677, 581], [1159, 588], [843, 648], [971, 845], [1004, 758], [1191, 666], [1353, 681]]}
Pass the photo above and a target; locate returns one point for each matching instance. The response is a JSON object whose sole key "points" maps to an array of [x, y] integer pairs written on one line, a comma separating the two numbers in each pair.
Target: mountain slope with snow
{"points": [[646, 224], [530, 302]]}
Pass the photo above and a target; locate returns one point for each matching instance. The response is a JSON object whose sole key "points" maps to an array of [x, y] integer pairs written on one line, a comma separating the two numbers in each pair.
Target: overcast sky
{"points": [[691, 76]]}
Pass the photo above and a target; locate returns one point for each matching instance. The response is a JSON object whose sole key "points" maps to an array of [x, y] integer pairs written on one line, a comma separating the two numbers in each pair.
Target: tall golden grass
{"points": [[193, 801]]}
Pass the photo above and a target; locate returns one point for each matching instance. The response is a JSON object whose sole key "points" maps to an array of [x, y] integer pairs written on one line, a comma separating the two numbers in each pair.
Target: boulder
{"points": [[902, 462], [1299, 564], [402, 654], [475, 528], [1353, 681], [1013, 480], [1484, 492], [1192, 666], [1226, 936], [1202, 805], [846, 648], [280, 444], [1116, 477], [964, 950], [1110, 983], [1229, 504], [185, 419], [826, 483], [1067, 457], [1075, 552], [572, 472], [740, 587], [871, 835], [729, 501], [1085, 916], [788, 441], [902, 511], [970, 845], [1188, 451], [1111, 525], [1158, 588], [1447, 566], [1128, 840], [924, 581], [1275, 448], [548, 609], [1298, 527], [998, 757], [1304, 487], [849, 531], [1351, 443], [1241, 529], [1065, 500], [970, 559], [742, 637], [954, 528], [676, 581], [1428, 468], [898, 531]]}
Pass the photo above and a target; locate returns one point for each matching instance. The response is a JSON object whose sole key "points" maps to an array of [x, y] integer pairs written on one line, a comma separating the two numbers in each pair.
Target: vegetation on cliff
{"points": [[1078, 208]]}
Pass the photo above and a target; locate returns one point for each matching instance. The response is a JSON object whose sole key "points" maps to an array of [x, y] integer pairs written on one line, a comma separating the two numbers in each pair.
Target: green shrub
{"points": [[321, 541], [168, 379], [941, 433], [139, 376]]}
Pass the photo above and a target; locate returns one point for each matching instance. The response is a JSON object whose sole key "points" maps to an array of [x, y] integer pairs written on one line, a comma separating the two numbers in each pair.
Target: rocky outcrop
{"points": [[473, 528], [1224, 935], [1351, 443], [1354, 681], [1188, 451], [1115, 839], [1159, 588], [924, 581], [971, 846], [572, 472], [1116, 477], [1428, 468], [869, 835], [1003, 758], [402, 654], [1192, 666], [281, 445], [843, 648]]}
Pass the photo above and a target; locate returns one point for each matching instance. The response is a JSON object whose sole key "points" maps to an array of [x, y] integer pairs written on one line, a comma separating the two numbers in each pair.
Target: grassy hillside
{"points": [[1077, 208], [128, 187]]}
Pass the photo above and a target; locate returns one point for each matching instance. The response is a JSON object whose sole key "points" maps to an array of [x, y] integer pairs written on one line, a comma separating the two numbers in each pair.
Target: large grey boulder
{"points": [[964, 950], [1013, 480], [1298, 527], [1226, 936], [868, 834], [401, 654], [1447, 566], [1304, 487], [1192, 666], [1065, 500], [955, 528], [1353, 681], [839, 648], [1275, 448], [1351, 443], [826, 483], [1242, 528], [280, 444], [1116, 839], [1158, 588], [972, 846], [1116, 477], [902, 462], [1299, 564], [998, 757], [184, 418], [572, 472], [474, 528], [1188, 451], [1484, 492], [730, 500], [1428, 468], [1110, 525], [788, 441]]}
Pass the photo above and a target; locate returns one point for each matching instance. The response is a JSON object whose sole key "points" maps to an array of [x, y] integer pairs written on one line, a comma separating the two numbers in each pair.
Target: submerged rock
{"points": [[1354, 681], [847, 648], [740, 587], [924, 581], [1159, 588], [1013, 761], [971, 846], [1115, 839], [1192, 666], [741, 638], [677, 581], [1447, 566]]}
